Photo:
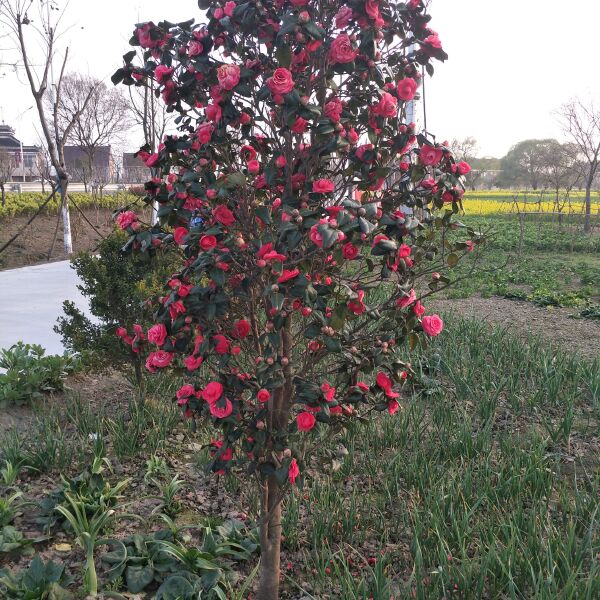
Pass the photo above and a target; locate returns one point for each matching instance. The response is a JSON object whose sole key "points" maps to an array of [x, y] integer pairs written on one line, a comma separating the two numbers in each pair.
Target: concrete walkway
{"points": [[31, 300]]}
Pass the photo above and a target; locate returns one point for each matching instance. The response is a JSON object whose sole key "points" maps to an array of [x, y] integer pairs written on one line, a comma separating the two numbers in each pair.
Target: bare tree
{"points": [[7, 164], [43, 169], [581, 123], [103, 116], [467, 150], [37, 31]]}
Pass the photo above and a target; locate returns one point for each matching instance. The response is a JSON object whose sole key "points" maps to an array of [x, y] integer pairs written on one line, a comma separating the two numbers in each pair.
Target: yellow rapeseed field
{"points": [[506, 201]]}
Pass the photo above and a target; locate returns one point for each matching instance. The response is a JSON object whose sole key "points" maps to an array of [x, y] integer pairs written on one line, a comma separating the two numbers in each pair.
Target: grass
{"points": [[474, 490], [545, 263], [484, 485]]}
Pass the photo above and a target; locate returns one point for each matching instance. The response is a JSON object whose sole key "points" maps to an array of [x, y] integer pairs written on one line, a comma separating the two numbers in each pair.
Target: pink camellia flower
{"points": [[179, 235], [357, 305], [195, 48], [430, 155], [193, 362], [463, 167], [293, 471], [151, 160], [229, 8], [328, 391], [413, 4], [299, 2], [280, 82], [305, 421], [263, 395], [159, 359], [223, 215], [253, 167], [228, 76], [406, 300], [299, 125], [406, 88], [433, 40], [221, 344], [333, 110], [404, 251], [213, 112], [204, 132], [145, 38], [386, 107], [157, 334], [323, 186], [341, 50], [280, 161], [221, 412], [393, 406], [162, 73], [241, 328], [125, 219], [470, 246], [432, 325], [343, 16], [184, 392], [418, 308], [350, 251], [207, 242], [212, 392], [288, 274]]}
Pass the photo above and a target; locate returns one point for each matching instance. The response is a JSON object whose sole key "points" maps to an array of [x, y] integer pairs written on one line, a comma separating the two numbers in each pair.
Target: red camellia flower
{"points": [[221, 344], [162, 73], [184, 392], [385, 383], [212, 392], [223, 215], [263, 395], [159, 359], [280, 82], [418, 308], [430, 155], [221, 412], [341, 50], [299, 125], [406, 88], [293, 471], [463, 167], [288, 274], [357, 306], [204, 132], [207, 242], [432, 325], [193, 362], [323, 186], [406, 300], [228, 76], [350, 251], [306, 421], [241, 328], [157, 334], [179, 235], [387, 106], [253, 167]]}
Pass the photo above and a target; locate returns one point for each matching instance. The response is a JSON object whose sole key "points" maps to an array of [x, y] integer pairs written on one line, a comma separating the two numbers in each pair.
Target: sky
{"points": [[512, 63]]}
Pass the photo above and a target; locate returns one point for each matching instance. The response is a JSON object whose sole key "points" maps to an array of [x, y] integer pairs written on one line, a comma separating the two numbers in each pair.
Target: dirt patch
{"points": [[553, 324], [35, 244]]}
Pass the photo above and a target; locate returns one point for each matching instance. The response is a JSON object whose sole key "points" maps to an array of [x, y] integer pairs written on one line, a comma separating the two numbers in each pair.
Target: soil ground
{"points": [[556, 325]]}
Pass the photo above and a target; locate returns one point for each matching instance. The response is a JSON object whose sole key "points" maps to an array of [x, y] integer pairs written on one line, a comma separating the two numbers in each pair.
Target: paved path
{"points": [[31, 300]]}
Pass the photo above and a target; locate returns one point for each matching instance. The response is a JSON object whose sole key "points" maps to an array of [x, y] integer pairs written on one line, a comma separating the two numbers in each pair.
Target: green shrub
{"points": [[118, 286], [29, 373], [38, 582]]}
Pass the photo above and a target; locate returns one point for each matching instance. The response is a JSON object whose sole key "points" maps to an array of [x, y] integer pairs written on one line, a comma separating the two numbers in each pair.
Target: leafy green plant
{"points": [[156, 467], [9, 507], [30, 373], [118, 286], [40, 581], [139, 560], [158, 558], [12, 540], [9, 473], [168, 494]]}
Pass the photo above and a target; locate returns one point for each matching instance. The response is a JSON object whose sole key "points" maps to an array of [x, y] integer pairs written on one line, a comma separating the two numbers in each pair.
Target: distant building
{"points": [[25, 157], [77, 164], [134, 170]]}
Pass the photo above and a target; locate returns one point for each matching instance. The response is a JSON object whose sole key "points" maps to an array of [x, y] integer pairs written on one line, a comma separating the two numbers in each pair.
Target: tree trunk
{"points": [[587, 226], [66, 217], [3, 194], [270, 541]]}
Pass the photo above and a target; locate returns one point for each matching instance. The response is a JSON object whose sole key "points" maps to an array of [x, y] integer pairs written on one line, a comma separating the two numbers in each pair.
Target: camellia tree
{"points": [[312, 221]]}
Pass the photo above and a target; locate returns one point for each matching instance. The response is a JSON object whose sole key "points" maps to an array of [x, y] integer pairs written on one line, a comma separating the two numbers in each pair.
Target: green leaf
{"points": [[452, 260], [138, 578], [283, 54]]}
